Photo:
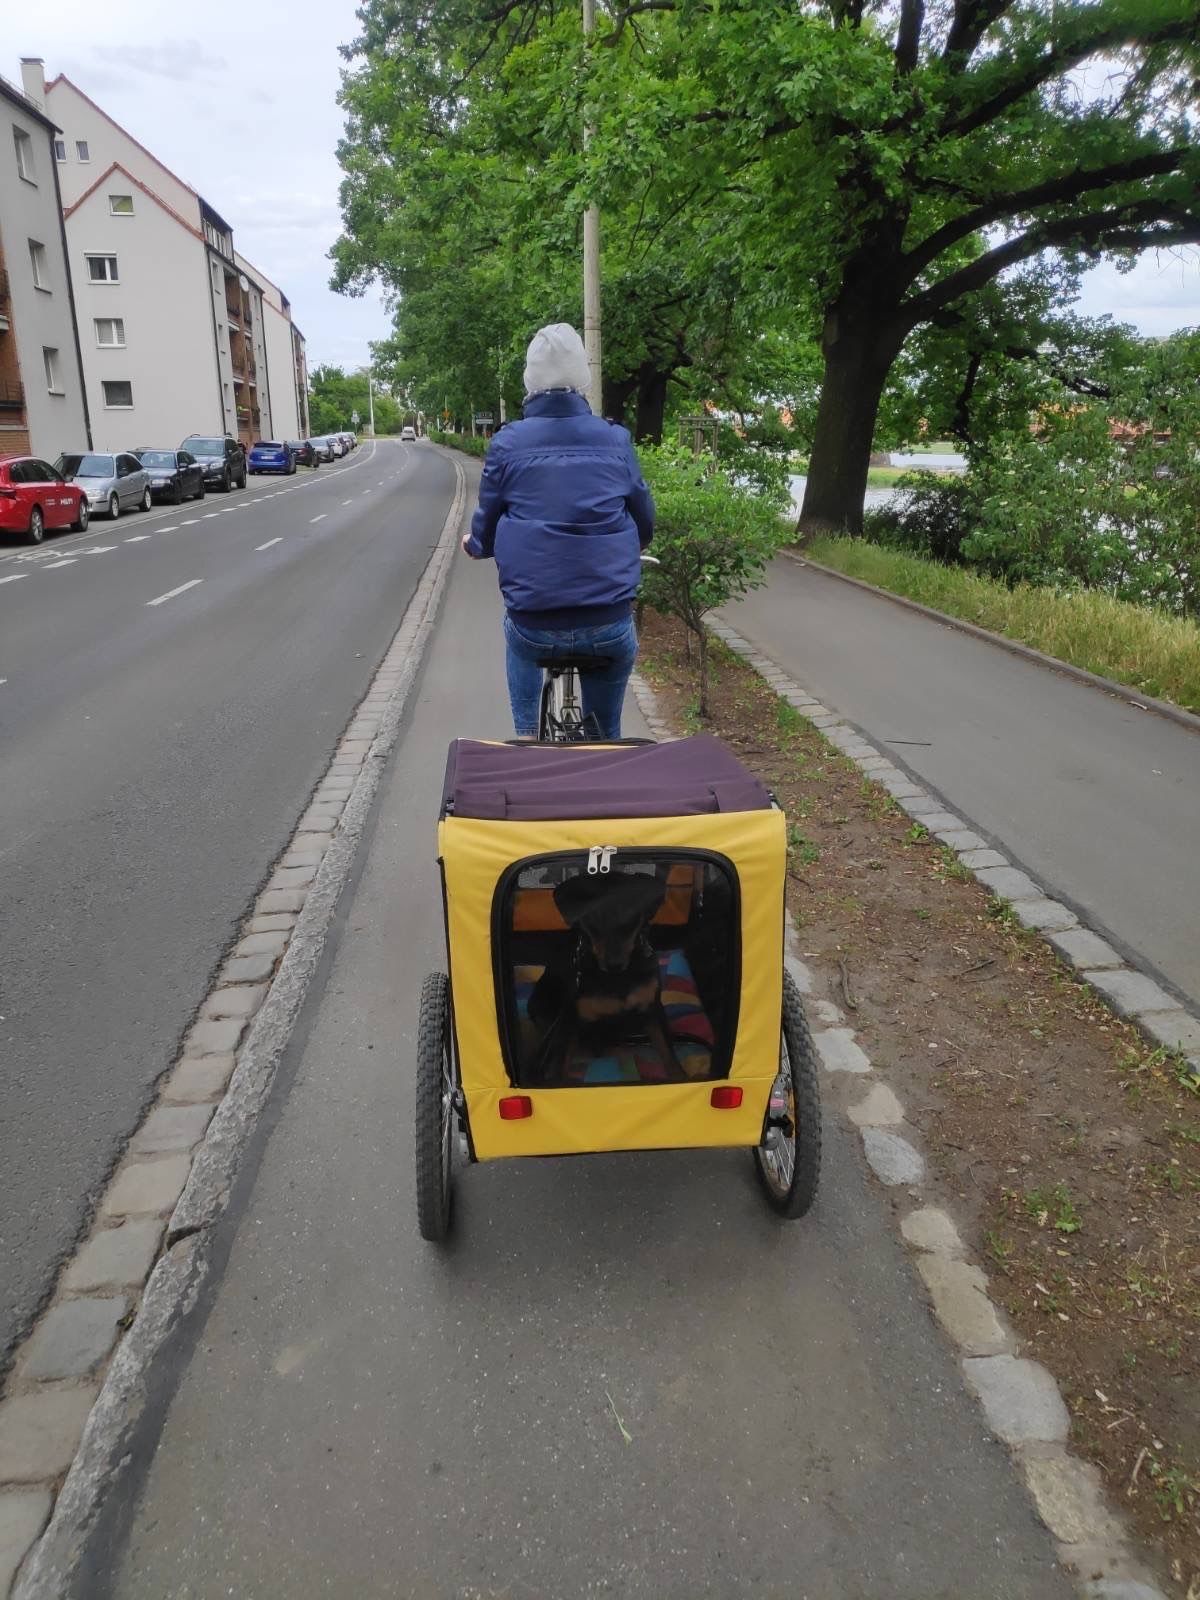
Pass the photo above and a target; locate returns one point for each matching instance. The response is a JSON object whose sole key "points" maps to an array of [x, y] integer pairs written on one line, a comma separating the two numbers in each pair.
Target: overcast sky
{"points": [[239, 99]]}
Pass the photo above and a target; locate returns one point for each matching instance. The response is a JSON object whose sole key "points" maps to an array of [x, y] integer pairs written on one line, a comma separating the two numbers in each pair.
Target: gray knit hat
{"points": [[556, 359]]}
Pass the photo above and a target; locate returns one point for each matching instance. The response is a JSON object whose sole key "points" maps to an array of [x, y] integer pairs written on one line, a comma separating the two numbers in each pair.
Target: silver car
{"points": [[112, 484]]}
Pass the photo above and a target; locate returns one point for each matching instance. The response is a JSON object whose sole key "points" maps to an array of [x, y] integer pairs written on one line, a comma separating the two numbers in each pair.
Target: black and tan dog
{"points": [[609, 991]]}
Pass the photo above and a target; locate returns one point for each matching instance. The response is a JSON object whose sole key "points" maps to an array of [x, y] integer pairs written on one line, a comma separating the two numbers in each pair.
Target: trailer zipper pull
{"points": [[593, 865], [607, 852]]}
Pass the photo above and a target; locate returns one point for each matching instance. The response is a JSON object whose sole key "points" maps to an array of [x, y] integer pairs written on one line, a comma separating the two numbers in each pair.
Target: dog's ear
{"points": [[616, 897]]}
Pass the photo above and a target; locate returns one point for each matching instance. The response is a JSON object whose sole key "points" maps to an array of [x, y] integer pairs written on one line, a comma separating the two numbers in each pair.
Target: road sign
{"points": [[484, 422], [355, 419]]}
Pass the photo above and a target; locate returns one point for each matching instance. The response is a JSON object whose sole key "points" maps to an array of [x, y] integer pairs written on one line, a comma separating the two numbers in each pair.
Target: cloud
{"points": [[179, 60]]}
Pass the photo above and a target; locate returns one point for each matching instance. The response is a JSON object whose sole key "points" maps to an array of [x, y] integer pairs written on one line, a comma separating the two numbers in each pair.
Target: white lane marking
{"points": [[98, 550], [364, 491], [3, 680], [14, 577], [321, 518], [170, 529], [269, 543], [190, 523], [349, 502], [138, 538], [209, 514], [68, 561], [171, 593]]}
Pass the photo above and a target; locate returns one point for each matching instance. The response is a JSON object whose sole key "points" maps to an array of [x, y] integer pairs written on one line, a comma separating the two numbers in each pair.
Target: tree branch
{"points": [[1054, 191], [1138, 226], [1058, 61], [972, 19], [908, 37], [620, 18]]}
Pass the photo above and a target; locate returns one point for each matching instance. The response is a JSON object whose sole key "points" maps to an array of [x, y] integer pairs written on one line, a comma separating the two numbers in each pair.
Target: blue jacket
{"points": [[565, 511]]}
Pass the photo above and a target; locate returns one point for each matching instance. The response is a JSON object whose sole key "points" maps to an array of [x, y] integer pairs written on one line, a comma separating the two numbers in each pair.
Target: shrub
{"points": [[927, 516], [713, 538], [469, 444]]}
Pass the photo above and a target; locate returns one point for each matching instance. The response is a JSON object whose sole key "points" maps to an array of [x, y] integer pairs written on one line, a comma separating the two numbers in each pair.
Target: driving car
{"points": [[408, 435], [223, 460], [112, 483], [175, 475], [269, 455], [305, 452], [35, 499]]}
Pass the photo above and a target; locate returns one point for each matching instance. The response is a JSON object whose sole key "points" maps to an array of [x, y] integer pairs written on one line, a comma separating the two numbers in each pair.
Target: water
{"points": [[873, 498], [880, 497]]}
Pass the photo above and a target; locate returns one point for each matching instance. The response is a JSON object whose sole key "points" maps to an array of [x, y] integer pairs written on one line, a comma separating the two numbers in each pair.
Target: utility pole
{"points": [[591, 257], [371, 398]]}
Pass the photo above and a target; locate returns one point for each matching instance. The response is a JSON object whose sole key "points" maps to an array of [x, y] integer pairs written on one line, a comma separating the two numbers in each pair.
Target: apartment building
{"points": [[42, 405], [287, 366], [174, 328]]}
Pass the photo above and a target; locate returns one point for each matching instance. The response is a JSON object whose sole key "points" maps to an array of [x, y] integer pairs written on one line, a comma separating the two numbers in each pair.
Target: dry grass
{"points": [[1146, 649]]}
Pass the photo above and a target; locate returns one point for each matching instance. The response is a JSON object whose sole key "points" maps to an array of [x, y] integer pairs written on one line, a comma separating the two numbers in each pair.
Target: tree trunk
{"points": [[702, 637], [860, 344], [651, 405]]}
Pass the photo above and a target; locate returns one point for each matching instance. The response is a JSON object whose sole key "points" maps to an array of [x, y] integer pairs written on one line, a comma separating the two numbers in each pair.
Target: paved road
{"points": [[1099, 801], [153, 760], [361, 1415]]}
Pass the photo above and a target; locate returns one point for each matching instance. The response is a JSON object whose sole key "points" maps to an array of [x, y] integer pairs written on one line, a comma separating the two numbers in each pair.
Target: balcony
{"points": [[12, 395]]}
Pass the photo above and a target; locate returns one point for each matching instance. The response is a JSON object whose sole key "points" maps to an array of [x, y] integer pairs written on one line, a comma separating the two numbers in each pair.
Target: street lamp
{"points": [[591, 259]]}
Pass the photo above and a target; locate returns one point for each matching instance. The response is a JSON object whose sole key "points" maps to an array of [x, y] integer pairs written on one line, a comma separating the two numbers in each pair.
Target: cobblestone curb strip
{"points": [[70, 1404], [1019, 1398]]}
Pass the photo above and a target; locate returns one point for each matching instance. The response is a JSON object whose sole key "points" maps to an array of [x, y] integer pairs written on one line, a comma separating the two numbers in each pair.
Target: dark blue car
{"points": [[269, 456]]}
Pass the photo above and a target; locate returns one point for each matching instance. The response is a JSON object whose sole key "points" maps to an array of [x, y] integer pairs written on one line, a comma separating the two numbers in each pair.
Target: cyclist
{"points": [[566, 513]]}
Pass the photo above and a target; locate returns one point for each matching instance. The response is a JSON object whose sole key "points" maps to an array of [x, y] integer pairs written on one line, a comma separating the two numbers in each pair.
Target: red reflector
{"points": [[726, 1097], [515, 1106]]}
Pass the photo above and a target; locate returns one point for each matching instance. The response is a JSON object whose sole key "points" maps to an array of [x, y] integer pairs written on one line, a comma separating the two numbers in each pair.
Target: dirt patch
{"points": [[1068, 1150]]}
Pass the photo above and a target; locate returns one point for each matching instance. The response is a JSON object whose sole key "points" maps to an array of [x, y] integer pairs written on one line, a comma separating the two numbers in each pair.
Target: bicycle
{"points": [[560, 711]]}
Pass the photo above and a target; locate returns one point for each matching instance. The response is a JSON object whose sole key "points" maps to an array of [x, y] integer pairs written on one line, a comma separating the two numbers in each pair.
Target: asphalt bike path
{"points": [[623, 1376], [1098, 800], [153, 761]]}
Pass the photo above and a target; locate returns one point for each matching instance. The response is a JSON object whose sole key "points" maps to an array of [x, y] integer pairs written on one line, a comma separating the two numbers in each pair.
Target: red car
{"points": [[35, 500]]}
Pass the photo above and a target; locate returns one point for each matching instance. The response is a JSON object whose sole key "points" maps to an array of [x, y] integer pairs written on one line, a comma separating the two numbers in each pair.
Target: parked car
{"points": [[305, 452], [223, 460], [322, 446], [35, 499], [175, 475], [112, 483], [338, 445], [351, 440], [408, 434], [270, 455]]}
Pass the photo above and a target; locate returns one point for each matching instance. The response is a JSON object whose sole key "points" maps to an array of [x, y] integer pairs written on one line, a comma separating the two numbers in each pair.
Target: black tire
{"points": [[177, 493], [202, 490], [546, 709], [114, 506], [226, 484], [789, 1174], [80, 525], [37, 526], [242, 480], [437, 1085], [147, 499]]}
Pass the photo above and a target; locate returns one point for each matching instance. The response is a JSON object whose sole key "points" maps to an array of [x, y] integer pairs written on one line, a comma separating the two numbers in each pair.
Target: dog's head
{"points": [[610, 910]]}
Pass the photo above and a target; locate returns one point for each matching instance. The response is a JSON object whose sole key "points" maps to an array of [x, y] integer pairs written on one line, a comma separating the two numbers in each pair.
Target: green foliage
{"points": [[713, 538], [334, 396], [926, 516], [469, 444]]}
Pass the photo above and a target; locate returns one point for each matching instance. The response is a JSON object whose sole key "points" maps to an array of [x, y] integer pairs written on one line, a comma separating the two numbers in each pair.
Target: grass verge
{"points": [[1067, 1149], [1135, 645]]}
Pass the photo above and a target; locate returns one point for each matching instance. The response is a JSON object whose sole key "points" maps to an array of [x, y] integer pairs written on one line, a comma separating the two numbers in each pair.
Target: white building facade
{"points": [[175, 333], [43, 410]]}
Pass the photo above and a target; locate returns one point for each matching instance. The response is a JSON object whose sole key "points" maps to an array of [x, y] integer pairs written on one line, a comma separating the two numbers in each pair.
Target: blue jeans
{"points": [[603, 692]]}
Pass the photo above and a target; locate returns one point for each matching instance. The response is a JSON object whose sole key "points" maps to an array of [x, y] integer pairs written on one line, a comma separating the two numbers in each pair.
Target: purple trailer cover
{"points": [[560, 782]]}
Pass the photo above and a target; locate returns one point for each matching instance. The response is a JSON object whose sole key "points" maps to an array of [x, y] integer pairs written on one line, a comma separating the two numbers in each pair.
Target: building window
{"points": [[60, 149], [120, 205], [41, 269], [81, 150], [102, 269], [118, 396], [24, 149], [110, 333], [53, 374]]}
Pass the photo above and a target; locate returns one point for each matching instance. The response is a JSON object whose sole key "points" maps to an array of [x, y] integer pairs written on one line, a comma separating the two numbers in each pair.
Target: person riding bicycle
{"points": [[566, 513]]}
